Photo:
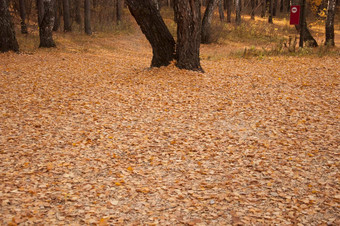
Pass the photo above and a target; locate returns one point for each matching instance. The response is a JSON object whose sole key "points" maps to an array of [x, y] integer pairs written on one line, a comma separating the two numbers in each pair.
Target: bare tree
{"points": [[206, 23], [8, 40], [22, 6], [46, 23], [238, 11], [87, 16], [67, 17], [188, 18], [330, 23]]}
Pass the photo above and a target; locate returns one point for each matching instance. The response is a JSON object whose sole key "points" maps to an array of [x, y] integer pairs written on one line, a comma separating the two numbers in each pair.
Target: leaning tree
{"points": [[164, 47], [8, 40]]}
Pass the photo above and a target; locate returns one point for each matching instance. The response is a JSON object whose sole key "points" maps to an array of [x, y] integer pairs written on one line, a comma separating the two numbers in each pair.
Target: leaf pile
{"points": [[94, 137]]}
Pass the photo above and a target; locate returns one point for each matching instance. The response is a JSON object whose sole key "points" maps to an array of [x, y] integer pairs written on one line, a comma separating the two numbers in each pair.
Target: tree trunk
{"points": [[206, 23], [87, 16], [188, 17], [238, 11], [23, 16], [330, 23], [119, 10], [263, 9], [228, 8], [270, 17], [274, 7], [220, 10], [57, 14], [67, 19], [252, 13], [8, 40], [46, 24], [77, 11], [155, 30]]}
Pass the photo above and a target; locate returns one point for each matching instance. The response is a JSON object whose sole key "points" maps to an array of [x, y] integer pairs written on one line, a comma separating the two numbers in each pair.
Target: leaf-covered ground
{"points": [[92, 136]]}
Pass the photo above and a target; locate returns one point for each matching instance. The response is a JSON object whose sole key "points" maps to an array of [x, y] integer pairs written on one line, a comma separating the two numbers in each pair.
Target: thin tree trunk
{"points": [[57, 14], [8, 41], [238, 11], [155, 30], [46, 24], [220, 10], [87, 16], [119, 10], [188, 17], [330, 23], [22, 6], [66, 14], [77, 11], [270, 17], [206, 23], [228, 8], [274, 7], [263, 9], [252, 14]]}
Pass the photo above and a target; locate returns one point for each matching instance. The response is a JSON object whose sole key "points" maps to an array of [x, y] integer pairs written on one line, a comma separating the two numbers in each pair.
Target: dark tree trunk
{"points": [[66, 14], [228, 8], [220, 10], [281, 6], [206, 23], [155, 30], [274, 7], [87, 16], [238, 11], [8, 41], [77, 11], [57, 14], [252, 13], [40, 9], [270, 17], [330, 23], [188, 17], [22, 6], [263, 9], [119, 10], [46, 24]]}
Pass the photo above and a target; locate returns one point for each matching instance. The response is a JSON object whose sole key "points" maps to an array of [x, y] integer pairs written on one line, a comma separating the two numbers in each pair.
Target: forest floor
{"points": [[90, 135]]}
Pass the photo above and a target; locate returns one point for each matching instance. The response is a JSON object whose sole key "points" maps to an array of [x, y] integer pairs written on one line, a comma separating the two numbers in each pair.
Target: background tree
{"points": [[22, 7], [87, 16], [67, 17], [57, 14], [46, 24], [238, 11], [270, 17], [188, 18], [330, 23], [119, 10], [227, 5], [8, 40], [206, 23], [77, 4], [152, 25]]}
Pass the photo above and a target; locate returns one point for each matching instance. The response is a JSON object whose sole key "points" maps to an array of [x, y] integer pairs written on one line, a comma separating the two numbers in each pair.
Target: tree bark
{"points": [[155, 30], [188, 17], [22, 6], [119, 10], [77, 11], [87, 16], [252, 13], [66, 14], [8, 41], [46, 24], [263, 9], [238, 11], [270, 17], [57, 14], [206, 23], [228, 8], [330, 23], [220, 10]]}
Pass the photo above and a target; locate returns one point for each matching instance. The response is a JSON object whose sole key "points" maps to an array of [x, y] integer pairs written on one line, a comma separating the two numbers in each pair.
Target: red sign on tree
{"points": [[294, 15]]}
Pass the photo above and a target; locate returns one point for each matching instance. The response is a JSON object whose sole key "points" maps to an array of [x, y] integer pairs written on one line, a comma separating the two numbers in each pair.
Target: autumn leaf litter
{"points": [[98, 138]]}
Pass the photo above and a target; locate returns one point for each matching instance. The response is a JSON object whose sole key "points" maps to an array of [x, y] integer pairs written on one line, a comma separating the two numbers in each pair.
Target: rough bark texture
{"points": [[67, 17], [155, 30], [330, 23], [206, 23], [22, 7], [87, 16], [8, 40], [46, 24], [238, 11], [188, 17]]}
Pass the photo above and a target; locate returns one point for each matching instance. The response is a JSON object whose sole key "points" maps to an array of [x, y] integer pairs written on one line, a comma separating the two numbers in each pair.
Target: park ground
{"points": [[90, 135]]}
